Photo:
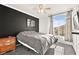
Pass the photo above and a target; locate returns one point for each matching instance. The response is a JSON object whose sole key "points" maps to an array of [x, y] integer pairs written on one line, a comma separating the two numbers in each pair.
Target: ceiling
{"points": [[32, 8]]}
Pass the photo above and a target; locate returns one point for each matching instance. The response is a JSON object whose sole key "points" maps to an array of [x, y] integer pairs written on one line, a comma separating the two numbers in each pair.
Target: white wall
{"points": [[43, 24]]}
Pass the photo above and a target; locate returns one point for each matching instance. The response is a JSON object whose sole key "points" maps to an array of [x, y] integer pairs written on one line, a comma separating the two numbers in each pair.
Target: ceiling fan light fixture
{"points": [[43, 9]]}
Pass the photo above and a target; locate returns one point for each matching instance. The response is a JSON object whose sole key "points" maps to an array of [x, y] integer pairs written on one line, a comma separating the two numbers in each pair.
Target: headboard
{"points": [[12, 22]]}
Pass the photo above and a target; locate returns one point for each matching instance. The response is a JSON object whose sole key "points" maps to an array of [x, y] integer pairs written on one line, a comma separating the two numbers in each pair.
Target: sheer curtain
{"points": [[50, 27], [68, 27]]}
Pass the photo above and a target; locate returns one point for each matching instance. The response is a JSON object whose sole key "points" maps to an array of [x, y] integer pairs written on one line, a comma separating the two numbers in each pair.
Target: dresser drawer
{"points": [[7, 48]]}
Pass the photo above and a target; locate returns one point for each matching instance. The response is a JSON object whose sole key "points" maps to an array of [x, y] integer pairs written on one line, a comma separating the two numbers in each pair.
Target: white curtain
{"points": [[50, 26], [68, 27]]}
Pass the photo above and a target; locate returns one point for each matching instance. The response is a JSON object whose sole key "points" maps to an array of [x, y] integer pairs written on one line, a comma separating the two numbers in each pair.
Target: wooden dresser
{"points": [[7, 44]]}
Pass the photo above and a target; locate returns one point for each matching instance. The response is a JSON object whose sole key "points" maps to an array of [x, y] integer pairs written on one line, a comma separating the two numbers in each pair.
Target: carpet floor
{"points": [[21, 50]]}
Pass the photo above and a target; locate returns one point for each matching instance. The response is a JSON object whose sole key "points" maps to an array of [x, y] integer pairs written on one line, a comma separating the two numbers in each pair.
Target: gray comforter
{"points": [[40, 42]]}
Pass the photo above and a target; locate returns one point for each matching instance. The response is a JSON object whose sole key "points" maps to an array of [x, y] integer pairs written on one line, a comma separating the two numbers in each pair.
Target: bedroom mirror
{"points": [[75, 22]]}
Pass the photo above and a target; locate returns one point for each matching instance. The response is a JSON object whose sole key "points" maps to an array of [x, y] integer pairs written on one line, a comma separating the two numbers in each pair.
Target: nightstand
{"points": [[7, 44]]}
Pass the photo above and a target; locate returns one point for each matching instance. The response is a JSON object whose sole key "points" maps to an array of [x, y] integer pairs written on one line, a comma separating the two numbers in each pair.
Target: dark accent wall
{"points": [[12, 22], [78, 15]]}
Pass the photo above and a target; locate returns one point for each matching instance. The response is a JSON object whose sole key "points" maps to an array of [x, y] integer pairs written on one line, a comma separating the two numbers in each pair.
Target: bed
{"points": [[38, 42]]}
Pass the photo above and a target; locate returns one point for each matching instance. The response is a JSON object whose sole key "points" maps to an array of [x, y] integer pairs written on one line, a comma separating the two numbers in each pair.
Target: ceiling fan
{"points": [[42, 8]]}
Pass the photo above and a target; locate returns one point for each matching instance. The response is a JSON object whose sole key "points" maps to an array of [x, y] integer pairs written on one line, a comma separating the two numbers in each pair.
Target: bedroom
{"points": [[18, 19]]}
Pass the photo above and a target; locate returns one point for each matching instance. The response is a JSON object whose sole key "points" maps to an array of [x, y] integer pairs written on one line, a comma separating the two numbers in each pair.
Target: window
{"points": [[59, 22]]}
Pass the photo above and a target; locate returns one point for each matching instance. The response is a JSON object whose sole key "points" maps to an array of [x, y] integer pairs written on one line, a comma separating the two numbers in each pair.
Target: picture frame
{"points": [[30, 23]]}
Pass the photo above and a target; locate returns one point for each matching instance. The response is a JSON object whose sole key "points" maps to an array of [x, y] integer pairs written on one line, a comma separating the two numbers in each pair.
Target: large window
{"points": [[62, 25], [59, 22]]}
